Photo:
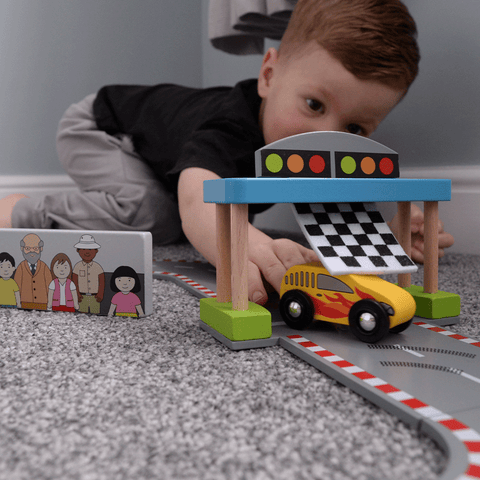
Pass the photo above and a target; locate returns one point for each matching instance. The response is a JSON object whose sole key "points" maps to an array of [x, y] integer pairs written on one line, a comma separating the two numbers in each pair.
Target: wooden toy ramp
{"points": [[427, 376]]}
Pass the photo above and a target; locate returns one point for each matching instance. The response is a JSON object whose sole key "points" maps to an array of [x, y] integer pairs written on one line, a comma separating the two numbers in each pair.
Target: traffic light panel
{"points": [[295, 163], [366, 165], [278, 163]]}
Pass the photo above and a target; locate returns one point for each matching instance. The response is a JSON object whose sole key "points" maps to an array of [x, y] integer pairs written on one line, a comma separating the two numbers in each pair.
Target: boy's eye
{"points": [[315, 105], [355, 129]]}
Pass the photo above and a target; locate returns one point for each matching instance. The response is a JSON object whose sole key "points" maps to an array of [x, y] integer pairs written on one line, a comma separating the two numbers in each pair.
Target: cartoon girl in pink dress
{"points": [[62, 292], [126, 283]]}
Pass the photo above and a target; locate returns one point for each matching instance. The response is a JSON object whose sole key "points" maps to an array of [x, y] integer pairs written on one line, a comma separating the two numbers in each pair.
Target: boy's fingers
{"points": [[308, 254], [445, 240], [274, 273], [416, 219], [274, 258], [256, 289], [416, 214], [417, 255]]}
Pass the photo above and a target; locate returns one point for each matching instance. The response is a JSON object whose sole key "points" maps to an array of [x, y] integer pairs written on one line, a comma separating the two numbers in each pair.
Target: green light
{"points": [[348, 165], [274, 163]]}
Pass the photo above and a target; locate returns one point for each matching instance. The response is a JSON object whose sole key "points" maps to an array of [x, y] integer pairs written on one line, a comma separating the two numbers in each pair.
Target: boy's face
{"points": [[6, 269], [87, 254], [315, 92]]}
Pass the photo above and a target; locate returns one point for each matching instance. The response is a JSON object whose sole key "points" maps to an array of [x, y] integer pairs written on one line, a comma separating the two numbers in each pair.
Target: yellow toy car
{"points": [[370, 305]]}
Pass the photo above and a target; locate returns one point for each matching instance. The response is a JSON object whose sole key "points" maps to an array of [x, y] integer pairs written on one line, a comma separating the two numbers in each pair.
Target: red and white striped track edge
{"points": [[469, 437], [447, 333], [206, 291]]}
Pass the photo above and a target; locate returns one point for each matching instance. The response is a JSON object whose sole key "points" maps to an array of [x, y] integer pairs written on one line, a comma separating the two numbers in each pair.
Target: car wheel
{"points": [[296, 309], [368, 321], [402, 327]]}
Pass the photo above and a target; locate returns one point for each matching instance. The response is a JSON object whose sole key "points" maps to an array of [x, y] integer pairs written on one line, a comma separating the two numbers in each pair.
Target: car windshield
{"points": [[325, 282]]}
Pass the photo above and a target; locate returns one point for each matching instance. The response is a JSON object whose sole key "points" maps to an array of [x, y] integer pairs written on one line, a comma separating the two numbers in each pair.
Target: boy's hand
{"points": [[267, 257], [272, 259], [445, 240]]}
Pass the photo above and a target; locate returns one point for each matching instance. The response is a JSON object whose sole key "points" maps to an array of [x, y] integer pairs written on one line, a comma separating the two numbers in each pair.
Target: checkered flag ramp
{"points": [[352, 238]]}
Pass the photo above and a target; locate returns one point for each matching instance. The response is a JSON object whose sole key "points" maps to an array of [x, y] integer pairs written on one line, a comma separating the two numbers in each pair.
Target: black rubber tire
{"points": [[382, 322], [305, 317], [402, 327]]}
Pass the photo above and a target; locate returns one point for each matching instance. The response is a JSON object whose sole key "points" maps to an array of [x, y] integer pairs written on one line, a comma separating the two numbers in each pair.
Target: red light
{"points": [[386, 166], [316, 164]]}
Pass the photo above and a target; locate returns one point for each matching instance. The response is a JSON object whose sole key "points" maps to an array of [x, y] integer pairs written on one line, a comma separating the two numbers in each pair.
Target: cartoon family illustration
{"points": [[35, 286]]}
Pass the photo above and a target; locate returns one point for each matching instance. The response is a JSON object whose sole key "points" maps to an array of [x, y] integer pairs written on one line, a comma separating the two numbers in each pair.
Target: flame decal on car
{"points": [[363, 295], [337, 306]]}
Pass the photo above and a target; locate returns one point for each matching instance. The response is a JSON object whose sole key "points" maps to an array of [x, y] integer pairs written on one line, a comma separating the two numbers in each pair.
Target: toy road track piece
{"points": [[426, 375]]}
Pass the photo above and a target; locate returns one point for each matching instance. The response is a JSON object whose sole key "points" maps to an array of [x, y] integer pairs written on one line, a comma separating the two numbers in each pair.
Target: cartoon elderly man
{"points": [[33, 276], [88, 276]]}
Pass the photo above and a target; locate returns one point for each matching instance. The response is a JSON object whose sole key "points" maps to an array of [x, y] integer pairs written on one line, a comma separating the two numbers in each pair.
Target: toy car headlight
{"points": [[388, 308]]}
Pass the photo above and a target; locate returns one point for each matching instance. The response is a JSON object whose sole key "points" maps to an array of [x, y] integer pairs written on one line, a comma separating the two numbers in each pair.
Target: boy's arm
{"points": [[267, 257], [17, 298]]}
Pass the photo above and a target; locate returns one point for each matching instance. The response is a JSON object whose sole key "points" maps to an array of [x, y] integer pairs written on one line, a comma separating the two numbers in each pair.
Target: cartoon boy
{"points": [[9, 291], [88, 276]]}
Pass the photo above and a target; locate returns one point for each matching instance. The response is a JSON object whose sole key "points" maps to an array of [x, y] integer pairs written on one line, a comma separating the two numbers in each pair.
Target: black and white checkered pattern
{"points": [[352, 238]]}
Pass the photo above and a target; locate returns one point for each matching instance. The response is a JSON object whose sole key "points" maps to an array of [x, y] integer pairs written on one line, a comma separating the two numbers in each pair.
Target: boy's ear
{"points": [[266, 72]]}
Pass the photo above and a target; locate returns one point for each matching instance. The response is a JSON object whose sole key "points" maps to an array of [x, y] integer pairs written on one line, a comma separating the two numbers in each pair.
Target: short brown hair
{"points": [[373, 39]]}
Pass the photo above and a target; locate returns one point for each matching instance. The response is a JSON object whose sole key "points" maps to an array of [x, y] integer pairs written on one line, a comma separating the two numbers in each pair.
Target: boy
{"points": [[140, 154], [9, 290]]}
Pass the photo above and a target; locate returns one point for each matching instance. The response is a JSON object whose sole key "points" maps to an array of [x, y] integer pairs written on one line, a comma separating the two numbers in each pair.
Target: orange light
{"points": [[368, 165], [295, 163]]}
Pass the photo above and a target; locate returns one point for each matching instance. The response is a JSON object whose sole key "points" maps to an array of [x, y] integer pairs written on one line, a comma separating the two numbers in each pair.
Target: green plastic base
{"points": [[435, 305], [236, 325]]}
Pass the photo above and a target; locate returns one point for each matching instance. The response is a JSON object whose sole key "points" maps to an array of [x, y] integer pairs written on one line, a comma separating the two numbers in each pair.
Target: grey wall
{"points": [[54, 52], [221, 68], [437, 124]]}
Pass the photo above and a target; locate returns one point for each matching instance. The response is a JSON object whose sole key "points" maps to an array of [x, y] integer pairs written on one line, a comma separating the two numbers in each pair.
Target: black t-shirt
{"points": [[174, 127]]}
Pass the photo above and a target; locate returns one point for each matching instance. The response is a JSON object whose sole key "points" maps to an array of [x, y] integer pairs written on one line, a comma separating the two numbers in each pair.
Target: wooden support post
{"points": [[430, 274], [239, 257], [224, 249], [405, 239]]}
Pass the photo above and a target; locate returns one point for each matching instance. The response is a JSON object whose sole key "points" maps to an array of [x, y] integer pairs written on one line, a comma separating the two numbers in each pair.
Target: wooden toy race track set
{"points": [[395, 355], [384, 341]]}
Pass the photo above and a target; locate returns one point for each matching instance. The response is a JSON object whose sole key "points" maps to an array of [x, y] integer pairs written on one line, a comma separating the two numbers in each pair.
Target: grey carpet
{"points": [[84, 397]]}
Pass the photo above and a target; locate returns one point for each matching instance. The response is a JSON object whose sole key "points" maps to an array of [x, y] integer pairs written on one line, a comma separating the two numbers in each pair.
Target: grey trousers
{"points": [[117, 190]]}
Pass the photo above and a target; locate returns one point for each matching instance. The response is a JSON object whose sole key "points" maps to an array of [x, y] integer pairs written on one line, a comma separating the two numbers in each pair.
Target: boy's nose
{"points": [[329, 125]]}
